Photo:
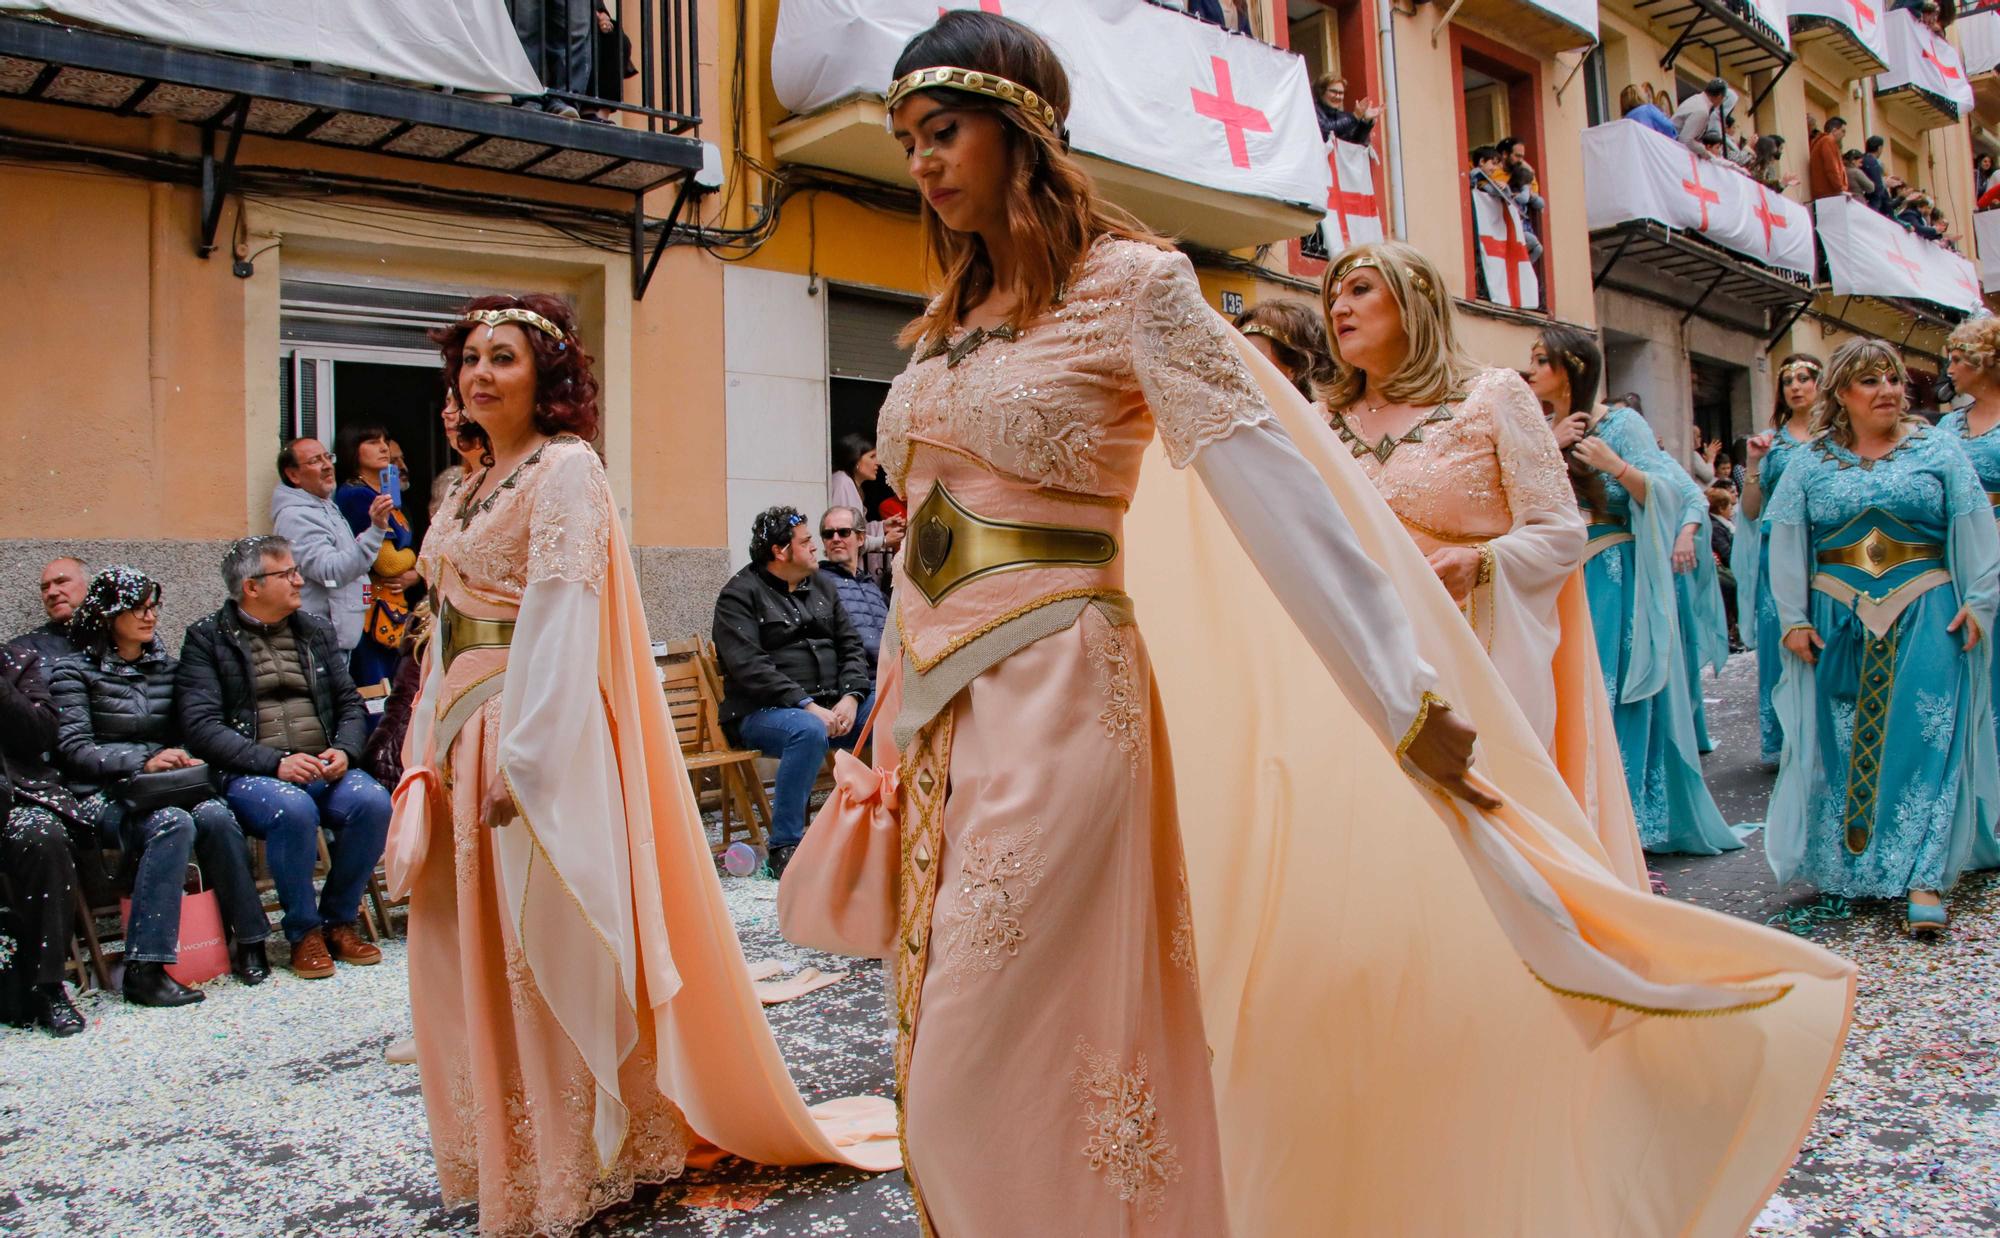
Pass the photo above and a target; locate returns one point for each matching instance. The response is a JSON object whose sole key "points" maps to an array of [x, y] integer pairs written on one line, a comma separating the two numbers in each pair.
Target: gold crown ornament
{"points": [[1417, 278], [492, 318]]}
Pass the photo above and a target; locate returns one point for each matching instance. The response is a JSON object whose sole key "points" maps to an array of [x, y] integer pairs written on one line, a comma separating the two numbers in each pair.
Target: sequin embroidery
{"points": [[1127, 1141]]}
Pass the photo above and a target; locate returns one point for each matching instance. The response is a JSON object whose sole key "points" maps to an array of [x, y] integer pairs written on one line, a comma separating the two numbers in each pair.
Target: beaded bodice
{"points": [[550, 519]]}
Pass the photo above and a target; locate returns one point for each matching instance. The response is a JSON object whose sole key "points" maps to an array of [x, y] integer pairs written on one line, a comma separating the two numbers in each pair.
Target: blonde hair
{"points": [[1852, 362], [1436, 369], [1978, 341], [1054, 215]]}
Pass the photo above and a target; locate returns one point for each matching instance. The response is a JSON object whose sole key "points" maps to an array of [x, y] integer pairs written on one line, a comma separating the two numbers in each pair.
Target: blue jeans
{"points": [[164, 840], [288, 817], [800, 742]]}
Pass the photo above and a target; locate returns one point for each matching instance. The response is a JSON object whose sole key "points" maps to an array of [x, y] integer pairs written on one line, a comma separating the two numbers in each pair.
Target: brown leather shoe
{"points": [[310, 961], [346, 945]]}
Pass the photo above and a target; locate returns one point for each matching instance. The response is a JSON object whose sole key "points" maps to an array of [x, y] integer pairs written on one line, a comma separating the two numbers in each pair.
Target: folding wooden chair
{"points": [[705, 749]]}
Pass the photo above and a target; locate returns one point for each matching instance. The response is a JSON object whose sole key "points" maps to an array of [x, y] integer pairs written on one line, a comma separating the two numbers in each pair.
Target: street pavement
{"points": [[270, 1110]]}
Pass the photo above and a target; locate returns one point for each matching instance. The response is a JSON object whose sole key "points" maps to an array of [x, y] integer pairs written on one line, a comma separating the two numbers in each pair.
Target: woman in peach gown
{"points": [[583, 1015], [1319, 1021], [1464, 458]]}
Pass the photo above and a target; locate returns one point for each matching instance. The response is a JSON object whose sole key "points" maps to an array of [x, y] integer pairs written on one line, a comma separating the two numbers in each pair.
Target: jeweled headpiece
{"points": [[1804, 363], [526, 317], [1417, 278], [992, 85]]}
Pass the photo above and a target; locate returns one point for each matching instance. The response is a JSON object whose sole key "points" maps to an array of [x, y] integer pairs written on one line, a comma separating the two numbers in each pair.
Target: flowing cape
{"points": [[1384, 1063], [717, 1059]]}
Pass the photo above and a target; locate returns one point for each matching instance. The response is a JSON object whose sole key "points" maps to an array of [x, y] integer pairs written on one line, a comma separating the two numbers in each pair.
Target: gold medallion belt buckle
{"points": [[1878, 554], [950, 546], [462, 632]]}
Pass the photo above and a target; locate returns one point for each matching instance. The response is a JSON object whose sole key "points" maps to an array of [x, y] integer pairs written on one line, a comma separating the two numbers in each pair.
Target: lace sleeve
{"points": [[1531, 469], [569, 527], [1186, 366]]}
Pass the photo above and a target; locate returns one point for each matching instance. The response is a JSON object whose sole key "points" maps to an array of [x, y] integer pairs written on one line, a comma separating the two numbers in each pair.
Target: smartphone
{"points": [[392, 485]]}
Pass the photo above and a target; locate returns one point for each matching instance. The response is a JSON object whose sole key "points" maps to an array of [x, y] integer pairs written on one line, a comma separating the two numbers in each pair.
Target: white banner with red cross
{"points": [[1863, 17], [1502, 239], [1353, 208], [1979, 41], [1921, 59], [1153, 89], [1631, 172], [1871, 255]]}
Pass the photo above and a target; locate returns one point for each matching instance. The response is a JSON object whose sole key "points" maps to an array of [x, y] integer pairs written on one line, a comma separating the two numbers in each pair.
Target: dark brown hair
{"points": [[565, 389], [1782, 414], [1298, 336], [1576, 354], [1053, 210]]}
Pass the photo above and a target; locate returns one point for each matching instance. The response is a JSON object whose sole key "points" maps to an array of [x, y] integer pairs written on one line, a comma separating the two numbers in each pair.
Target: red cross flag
{"points": [[1921, 59], [1503, 252], [1152, 90], [1353, 213], [1870, 255]]}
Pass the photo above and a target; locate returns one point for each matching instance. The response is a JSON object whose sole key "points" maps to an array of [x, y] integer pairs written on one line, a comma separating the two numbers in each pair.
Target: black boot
{"points": [[148, 984], [779, 859], [48, 1006], [251, 965]]}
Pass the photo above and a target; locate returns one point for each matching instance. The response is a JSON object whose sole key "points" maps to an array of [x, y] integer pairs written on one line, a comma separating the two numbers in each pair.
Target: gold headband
{"points": [[992, 85], [1273, 336], [1416, 277], [1810, 367], [494, 317]]}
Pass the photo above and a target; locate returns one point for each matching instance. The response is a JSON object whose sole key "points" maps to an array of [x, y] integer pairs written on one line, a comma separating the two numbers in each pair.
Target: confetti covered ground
{"points": [[271, 1111]]}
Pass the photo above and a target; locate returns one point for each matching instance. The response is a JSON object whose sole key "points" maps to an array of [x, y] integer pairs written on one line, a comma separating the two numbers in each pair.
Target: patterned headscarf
{"points": [[112, 592]]}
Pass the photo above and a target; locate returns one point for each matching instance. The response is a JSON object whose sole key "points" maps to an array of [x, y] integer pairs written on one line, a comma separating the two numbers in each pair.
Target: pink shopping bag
{"points": [[204, 950]]}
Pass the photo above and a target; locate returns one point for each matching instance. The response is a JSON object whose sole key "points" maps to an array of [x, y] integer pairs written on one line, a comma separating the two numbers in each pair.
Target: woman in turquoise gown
{"points": [[1973, 356], [1889, 779], [1639, 535], [1766, 455]]}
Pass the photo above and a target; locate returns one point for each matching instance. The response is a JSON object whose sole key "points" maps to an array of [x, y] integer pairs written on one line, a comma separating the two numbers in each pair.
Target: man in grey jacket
{"points": [[332, 558]]}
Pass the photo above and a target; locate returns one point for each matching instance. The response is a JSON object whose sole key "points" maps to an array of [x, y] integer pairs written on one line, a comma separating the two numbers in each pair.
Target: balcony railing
{"points": [[1925, 79], [228, 95], [1738, 36], [1843, 37], [1202, 134]]}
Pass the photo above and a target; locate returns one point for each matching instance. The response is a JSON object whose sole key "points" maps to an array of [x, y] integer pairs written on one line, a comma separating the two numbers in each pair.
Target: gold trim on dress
{"points": [[1417, 723], [926, 782], [951, 547], [1660, 1011], [1871, 732], [1878, 554], [1598, 545], [1878, 615]]}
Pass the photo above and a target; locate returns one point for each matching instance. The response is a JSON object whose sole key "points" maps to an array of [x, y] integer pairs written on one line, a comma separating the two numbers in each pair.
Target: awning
{"points": [[464, 44], [1916, 328], [1850, 31], [1543, 27], [1925, 75], [1748, 38], [1167, 97], [1871, 255], [1702, 280], [1631, 172]]}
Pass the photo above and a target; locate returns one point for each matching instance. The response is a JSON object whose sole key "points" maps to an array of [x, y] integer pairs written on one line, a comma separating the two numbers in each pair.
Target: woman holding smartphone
{"points": [[393, 578]]}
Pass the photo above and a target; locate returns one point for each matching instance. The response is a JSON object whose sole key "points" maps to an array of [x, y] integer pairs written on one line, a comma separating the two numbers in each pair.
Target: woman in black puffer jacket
{"points": [[114, 705]]}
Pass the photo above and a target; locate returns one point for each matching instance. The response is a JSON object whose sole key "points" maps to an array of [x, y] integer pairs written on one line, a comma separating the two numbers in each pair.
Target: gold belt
{"points": [[461, 632], [1878, 554], [951, 547]]}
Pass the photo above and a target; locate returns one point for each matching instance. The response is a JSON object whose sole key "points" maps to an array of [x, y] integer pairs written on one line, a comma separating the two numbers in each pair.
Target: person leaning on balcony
{"points": [[1826, 172], [1634, 105], [1763, 167], [1487, 176], [1871, 163], [333, 559], [1335, 121], [1858, 184], [1231, 15], [1700, 114], [263, 696]]}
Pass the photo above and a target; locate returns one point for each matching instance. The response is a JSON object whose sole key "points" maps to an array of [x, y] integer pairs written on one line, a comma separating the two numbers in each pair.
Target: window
{"points": [[1333, 37], [1499, 99]]}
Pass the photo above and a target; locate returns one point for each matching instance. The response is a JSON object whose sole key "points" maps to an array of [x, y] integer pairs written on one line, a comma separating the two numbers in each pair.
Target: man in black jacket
{"points": [[794, 672], [263, 696], [64, 579]]}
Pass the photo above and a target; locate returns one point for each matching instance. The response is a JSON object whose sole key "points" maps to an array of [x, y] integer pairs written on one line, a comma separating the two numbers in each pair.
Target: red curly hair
{"points": [[565, 387]]}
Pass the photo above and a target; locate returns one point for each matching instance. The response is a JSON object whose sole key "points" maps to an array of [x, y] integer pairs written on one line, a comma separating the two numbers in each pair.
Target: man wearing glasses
{"points": [[841, 534], [263, 696], [333, 561], [795, 678]]}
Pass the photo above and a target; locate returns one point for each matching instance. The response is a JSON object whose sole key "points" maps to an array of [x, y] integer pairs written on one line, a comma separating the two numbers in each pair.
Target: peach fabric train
{"points": [[1384, 1064], [513, 1031]]}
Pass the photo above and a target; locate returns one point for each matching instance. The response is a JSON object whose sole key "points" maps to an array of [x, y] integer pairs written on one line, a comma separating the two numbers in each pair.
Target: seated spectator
{"points": [[1487, 177], [115, 724], [1826, 172], [840, 532], [1858, 184], [38, 820], [393, 578], [1231, 15], [1701, 114], [1871, 163], [1335, 121], [263, 696], [333, 560], [1634, 105], [794, 675], [64, 580], [560, 38]]}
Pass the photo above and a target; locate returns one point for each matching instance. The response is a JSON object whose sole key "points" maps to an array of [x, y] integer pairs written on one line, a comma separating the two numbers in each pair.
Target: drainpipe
{"points": [[1385, 29]]}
